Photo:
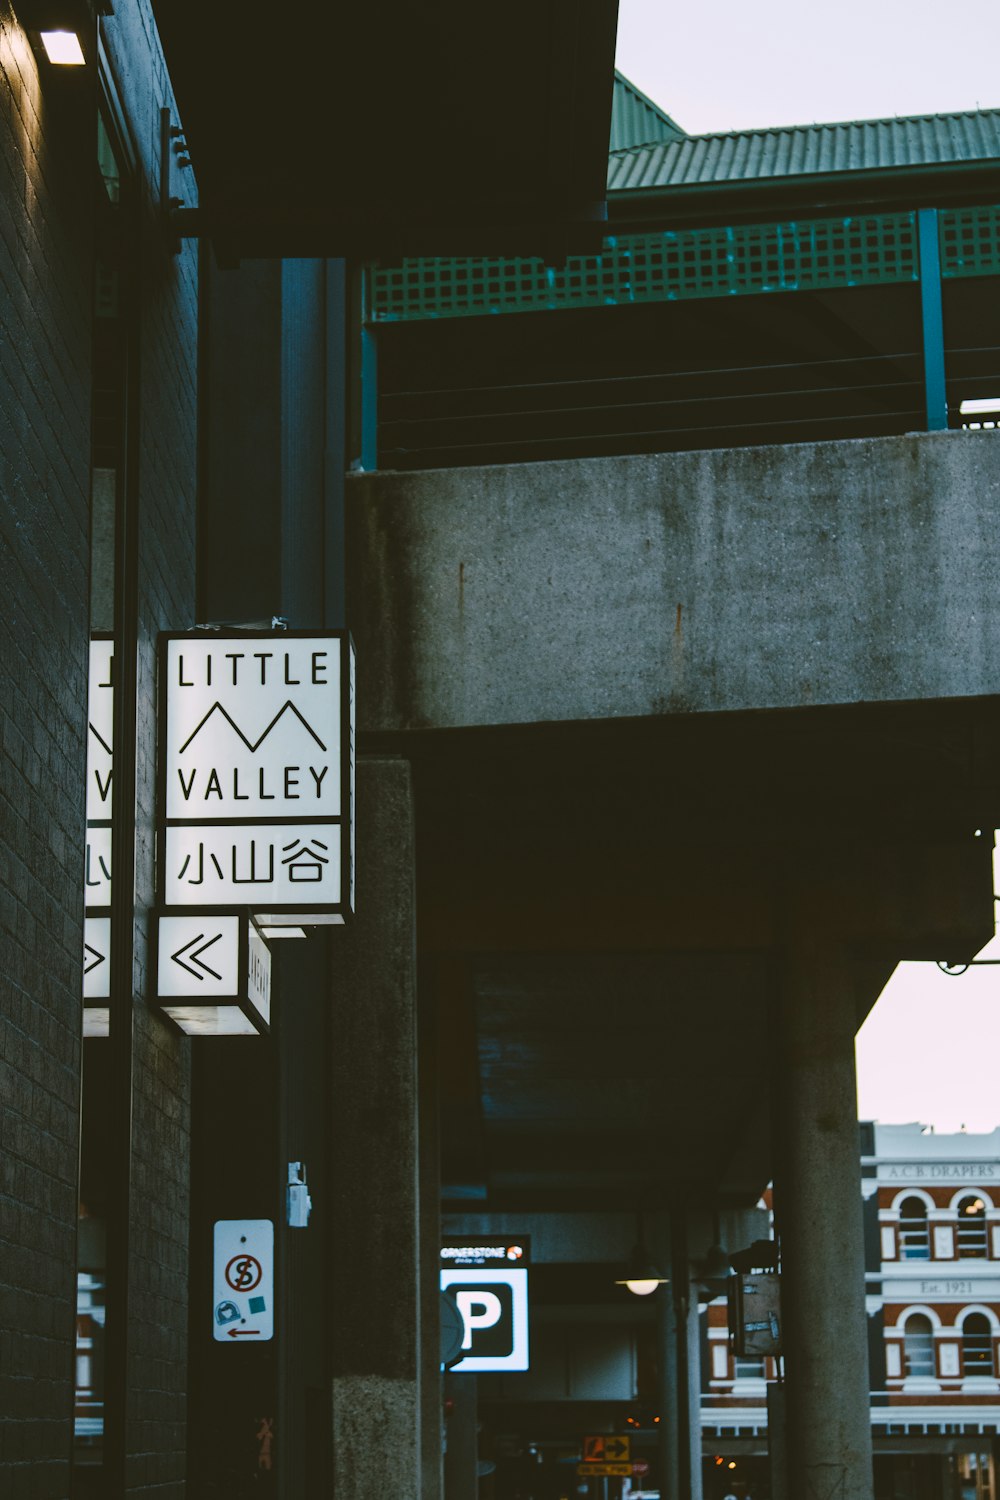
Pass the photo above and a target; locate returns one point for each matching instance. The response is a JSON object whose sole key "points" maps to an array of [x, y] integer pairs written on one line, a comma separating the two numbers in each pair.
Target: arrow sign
{"points": [[96, 948], [616, 1447], [91, 958], [196, 957], [244, 1333], [198, 954]]}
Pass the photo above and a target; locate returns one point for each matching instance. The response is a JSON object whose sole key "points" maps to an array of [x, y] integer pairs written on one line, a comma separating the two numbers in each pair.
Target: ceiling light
{"points": [[63, 48], [981, 403], [643, 1275]]}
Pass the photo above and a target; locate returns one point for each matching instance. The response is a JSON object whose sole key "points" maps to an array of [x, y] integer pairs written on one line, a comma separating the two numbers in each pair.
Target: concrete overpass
{"points": [[700, 745]]}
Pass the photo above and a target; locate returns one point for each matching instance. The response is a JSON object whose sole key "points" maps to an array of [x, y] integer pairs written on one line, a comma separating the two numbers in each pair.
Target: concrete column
{"points": [[819, 1219], [375, 1263], [461, 1462], [693, 1435], [669, 1432], [431, 1388]]}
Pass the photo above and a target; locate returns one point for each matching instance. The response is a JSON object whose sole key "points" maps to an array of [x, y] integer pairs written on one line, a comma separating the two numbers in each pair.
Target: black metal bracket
{"points": [[173, 153]]}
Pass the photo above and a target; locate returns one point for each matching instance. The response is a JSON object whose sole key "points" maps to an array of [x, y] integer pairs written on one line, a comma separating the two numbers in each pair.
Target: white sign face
{"points": [[198, 956], [494, 1309], [259, 973], [96, 958], [243, 1281], [253, 728], [100, 729], [97, 867], [253, 865], [97, 872]]}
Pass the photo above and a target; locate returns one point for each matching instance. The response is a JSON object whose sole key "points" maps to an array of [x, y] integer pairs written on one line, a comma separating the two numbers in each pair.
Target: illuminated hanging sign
{"points": [[100, 739], [257, 774], [97, 860], [213, 973], [488, 1278]]}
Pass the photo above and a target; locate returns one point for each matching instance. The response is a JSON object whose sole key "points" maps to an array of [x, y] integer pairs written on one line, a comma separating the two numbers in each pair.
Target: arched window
{"points": [[972, 1228], [977, 1345], [918, 1345], [914, 1242]]}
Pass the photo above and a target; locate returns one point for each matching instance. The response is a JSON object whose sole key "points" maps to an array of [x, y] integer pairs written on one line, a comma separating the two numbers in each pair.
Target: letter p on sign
{"points": [[493, 1306], [479, 1310]]}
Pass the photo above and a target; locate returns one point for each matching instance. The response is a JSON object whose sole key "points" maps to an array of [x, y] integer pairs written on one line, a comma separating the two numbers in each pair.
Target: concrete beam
{"points": [[678, 583]]}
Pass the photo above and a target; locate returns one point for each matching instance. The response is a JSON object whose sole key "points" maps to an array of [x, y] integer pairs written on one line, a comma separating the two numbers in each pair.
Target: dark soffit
{"points": [[395, 129]]}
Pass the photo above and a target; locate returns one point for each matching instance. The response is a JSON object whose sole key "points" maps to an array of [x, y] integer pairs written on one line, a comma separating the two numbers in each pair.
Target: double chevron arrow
{"points": [[195, 956]]}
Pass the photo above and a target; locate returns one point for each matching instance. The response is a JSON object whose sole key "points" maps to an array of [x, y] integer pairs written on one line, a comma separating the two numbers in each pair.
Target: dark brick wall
{"points": [[158, 1291], [44, 480], [47, 140]]}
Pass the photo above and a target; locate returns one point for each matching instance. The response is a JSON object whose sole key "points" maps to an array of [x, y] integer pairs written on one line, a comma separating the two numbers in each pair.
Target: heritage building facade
{"points": [[932, 1211]]}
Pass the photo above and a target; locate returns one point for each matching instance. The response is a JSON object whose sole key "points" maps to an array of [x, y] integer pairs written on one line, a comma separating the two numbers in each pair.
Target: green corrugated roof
{"points": [[805, 151], [635, 119]]}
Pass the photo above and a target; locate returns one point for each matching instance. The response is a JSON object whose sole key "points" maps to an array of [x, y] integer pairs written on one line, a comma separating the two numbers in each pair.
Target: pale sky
{"points": [[930, 1050], [734, 66]]}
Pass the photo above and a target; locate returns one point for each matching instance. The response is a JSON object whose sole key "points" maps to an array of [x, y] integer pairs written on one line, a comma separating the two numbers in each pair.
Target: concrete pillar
{"points": [[693, 1435], [431, 1388], [461, 1462], [819, 1219], [375, 1262], [669, 1332]]}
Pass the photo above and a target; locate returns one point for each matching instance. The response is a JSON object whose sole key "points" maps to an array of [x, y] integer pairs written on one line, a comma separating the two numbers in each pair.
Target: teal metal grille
{"points": [[970, 241], [810, 255]]}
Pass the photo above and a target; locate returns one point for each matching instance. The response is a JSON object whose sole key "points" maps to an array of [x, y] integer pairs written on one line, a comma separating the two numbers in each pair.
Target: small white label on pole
{"points": [[198, 956], [243, 1281]]}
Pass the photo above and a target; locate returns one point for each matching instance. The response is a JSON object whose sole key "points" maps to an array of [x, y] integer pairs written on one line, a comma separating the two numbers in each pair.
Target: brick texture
{"points": [[156, 1436], [47, 143], [44, 483]]}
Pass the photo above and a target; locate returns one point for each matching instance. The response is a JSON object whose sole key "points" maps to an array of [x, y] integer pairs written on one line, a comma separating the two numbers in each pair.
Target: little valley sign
{"points": [[257, 773]]}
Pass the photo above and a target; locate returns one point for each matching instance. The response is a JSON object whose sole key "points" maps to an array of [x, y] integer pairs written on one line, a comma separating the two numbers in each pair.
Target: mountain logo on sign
{"points": [[100, 739], [252, 745]]}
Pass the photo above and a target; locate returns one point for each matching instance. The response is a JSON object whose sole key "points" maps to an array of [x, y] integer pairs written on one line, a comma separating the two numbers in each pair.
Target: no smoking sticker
{"points": [[243, 1282]]}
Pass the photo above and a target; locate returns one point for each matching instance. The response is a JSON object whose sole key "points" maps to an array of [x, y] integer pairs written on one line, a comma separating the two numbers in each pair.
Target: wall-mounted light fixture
{"points": [[63, 48], [60, 28]]}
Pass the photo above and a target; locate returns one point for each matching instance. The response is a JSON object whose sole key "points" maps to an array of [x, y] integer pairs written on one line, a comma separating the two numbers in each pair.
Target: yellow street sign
{"points": [[588, 1470], [606, 1447]]}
